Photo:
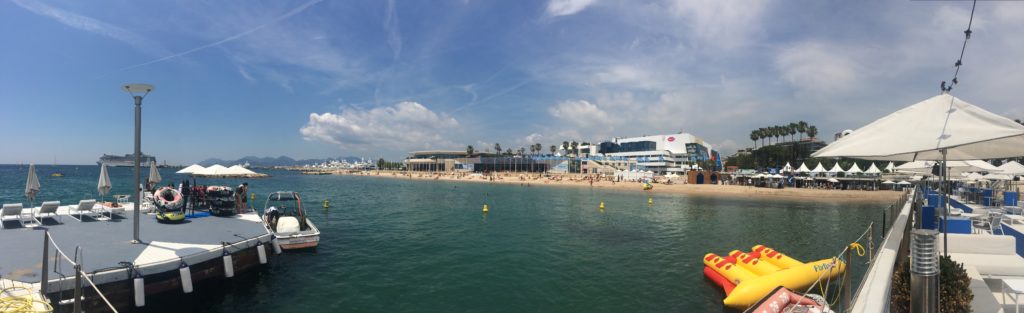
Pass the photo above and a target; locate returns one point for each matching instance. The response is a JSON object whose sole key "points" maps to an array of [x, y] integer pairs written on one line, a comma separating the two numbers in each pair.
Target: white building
{"points": [[661, 153]]}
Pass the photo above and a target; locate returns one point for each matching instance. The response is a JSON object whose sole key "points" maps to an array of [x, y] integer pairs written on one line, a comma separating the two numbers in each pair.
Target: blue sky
{"points": [[379, 78]]}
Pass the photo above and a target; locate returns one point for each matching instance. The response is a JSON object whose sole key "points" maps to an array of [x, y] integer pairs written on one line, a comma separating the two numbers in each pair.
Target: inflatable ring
{"points": [[170, 217], [168, 199]]}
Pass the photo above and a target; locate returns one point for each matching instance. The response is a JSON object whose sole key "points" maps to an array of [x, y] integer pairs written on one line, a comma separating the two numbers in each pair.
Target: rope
{"points": [[855, 243], [21, 304], [959, 61], [111, 306]]}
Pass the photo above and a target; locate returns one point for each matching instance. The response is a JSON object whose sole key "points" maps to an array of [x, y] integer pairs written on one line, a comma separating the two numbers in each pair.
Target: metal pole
{"points": [[46, 264], [847, 288], [945, 205], [138, 155], [924, 272], [78, 289], [871, 242]]}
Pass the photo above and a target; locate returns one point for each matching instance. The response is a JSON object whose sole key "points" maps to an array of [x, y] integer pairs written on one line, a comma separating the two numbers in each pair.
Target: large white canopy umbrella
{"points": [[854, 170], [190, 169], [32, 185], [103, 185], [803, 168], [954, 167], [873, 170], [942, 128], [1012, 168], [997, 177], [154, 175]]}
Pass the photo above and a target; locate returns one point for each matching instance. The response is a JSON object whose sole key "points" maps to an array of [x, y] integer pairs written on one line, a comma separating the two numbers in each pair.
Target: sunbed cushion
{"points": [[980, 244], [992, 264], [287, 225]]}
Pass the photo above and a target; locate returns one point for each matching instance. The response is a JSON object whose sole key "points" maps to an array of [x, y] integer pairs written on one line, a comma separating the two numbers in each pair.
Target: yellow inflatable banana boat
{"points": [[748, 277]]}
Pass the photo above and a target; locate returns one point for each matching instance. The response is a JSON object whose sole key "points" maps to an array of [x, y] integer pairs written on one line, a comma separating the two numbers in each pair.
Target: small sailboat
{"points": [[56, 173]]}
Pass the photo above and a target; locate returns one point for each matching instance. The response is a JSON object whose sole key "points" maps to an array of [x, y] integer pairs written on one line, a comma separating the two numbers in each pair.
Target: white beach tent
{"points": [[191, 169], [836, 169], [903, 182], [888, 182], [818, 169], [1012, 168], [890, 168], [803, 168], [787, 168], [873, 170], [854, 170]]}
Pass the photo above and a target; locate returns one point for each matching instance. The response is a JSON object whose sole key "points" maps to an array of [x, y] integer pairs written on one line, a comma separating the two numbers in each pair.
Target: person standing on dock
{"points": [[240, 198]]}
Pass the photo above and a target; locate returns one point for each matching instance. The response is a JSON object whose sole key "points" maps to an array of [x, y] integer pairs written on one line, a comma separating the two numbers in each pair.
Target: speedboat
{"points": [[283, 216]]}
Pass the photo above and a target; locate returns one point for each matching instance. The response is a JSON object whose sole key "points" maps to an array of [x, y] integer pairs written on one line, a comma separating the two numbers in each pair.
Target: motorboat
{"points": [[283, 216]]}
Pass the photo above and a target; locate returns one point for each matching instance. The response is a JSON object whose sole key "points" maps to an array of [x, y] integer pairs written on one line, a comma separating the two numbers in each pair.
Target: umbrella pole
{"points": [[945, 205]]}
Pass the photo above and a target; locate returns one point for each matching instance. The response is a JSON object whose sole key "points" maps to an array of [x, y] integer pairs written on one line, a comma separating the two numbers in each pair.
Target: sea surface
{"points": [[396, 245]]}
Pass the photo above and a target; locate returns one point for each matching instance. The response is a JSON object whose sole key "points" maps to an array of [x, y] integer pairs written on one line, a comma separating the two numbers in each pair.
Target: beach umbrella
{"points": [[939, 128], [954, 167], [32, 185], [103, 186], [154, 174], [997, 177], [888, 182], [903, 182], [833, 180], [942, 128], [1012, 168], [803, 168], [190, 169]]}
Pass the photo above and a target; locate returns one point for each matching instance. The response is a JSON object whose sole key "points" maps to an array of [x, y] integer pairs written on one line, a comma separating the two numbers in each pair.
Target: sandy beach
{"points": [[733, 191]]}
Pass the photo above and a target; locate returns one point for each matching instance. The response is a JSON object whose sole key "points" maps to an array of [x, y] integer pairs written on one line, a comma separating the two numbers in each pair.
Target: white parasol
{"points": [[32, 185]]}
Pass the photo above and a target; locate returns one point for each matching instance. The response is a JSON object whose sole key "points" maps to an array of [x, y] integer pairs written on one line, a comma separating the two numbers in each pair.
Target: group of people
{"points": [[194, 195]]}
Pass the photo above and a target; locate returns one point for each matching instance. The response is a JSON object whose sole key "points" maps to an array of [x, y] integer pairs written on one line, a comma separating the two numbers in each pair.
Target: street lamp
{"points": [[134, 90]]}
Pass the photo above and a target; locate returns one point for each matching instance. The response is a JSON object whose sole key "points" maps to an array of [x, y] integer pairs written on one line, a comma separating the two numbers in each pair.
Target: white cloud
{"points": [[580, 113], [400, 127], [394, 33], [91, 25], [567, 7], [819, 68], [718, 23]]}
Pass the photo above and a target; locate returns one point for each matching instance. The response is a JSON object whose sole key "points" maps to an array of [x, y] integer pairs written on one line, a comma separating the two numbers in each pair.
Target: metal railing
{"points": [[79, 274], [874, 291]]}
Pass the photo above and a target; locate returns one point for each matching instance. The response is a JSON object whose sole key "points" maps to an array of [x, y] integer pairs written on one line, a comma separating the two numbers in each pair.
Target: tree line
{"points": [[791, 130]]}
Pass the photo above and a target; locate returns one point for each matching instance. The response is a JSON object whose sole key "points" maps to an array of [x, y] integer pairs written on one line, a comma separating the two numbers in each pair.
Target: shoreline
{"points": [[578, 181]]}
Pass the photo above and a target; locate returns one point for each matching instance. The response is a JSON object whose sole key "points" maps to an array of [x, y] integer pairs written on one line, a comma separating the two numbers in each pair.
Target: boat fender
{"points": [[229, 266], [276, 245], [261, 251], [186, 277], [139, 285]]}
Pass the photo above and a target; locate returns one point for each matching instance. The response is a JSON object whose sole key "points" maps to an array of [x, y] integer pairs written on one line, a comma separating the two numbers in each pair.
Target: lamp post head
{"points": [[140, 88]]}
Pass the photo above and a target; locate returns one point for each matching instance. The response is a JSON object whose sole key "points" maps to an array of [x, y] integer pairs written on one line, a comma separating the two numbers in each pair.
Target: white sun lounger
{"points": [[47, 209], [84, 207], [13, 209]]}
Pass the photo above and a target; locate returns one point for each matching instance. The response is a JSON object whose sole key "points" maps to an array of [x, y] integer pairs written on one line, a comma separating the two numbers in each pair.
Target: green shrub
{"points": [[954, 287]]}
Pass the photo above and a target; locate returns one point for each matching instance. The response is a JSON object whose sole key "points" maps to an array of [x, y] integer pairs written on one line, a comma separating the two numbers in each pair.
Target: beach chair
{"points": [[13, 210], [84, 207], [47, 209]]}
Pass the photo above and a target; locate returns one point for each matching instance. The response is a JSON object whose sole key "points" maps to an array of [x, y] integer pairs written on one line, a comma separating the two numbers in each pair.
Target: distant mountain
{"points": [[269, 161]]}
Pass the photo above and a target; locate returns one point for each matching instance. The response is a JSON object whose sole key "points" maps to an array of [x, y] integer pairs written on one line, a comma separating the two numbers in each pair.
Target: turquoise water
{"points": [[393, 245]]}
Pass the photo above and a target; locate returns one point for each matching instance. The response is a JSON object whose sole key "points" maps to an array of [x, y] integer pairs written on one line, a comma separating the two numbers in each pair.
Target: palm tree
{"points": [[553, 148], [802, 128], [762, 133], [753, 137], [497, 148], [469, 150], [812, 131], [575, 145], [792, 131]]}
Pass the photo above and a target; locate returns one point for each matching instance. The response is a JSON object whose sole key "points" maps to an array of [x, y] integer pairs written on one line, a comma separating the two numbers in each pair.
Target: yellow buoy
{"points": [[485, 208], [327, 204], [650, 200], [252, 197], [601, 206]]}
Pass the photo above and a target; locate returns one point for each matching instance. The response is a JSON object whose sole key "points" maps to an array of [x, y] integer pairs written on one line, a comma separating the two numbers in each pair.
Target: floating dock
{"points": [[210, 247]]}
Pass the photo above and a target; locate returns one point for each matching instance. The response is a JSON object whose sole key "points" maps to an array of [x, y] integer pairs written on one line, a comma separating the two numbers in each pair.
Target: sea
{"points": [[400, 245]]}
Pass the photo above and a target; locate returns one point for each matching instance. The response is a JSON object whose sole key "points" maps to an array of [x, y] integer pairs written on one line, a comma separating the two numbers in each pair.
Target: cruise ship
{"points": [[126, 160]]}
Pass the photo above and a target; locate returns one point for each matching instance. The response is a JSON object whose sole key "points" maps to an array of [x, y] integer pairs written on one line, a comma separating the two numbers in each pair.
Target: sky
{"points": [[314, 79]]}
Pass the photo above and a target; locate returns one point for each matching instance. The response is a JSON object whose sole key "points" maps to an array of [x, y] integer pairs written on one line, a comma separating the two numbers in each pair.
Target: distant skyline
{"points": [[317, 79]]}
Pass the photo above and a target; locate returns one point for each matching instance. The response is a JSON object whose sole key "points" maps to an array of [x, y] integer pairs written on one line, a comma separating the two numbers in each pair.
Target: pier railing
{"points": [[80, 275], [874, 291]]}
